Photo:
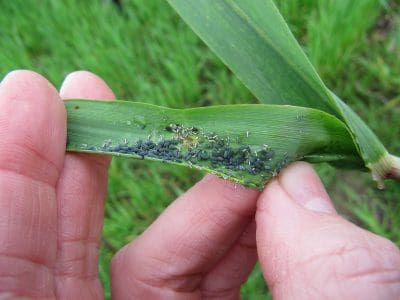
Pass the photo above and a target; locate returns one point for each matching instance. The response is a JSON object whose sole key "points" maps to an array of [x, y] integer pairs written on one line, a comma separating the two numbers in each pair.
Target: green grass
{"points": [[145, 52]]}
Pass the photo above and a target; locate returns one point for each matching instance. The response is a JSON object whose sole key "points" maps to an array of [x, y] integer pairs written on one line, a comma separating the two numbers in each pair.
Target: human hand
{"points": [[203, 246]]}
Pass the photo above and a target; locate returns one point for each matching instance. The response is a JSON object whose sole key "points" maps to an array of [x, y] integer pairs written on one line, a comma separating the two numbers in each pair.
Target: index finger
{"points": [[81, 192]]}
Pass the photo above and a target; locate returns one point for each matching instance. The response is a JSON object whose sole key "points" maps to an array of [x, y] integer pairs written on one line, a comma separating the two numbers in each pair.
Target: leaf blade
{"points": [[253, 40], [245, 143]]}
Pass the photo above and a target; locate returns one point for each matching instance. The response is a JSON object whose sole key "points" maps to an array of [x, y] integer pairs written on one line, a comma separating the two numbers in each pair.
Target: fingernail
{"points": [[8, 75], [303, 185], [67, 80], [84, 84]]}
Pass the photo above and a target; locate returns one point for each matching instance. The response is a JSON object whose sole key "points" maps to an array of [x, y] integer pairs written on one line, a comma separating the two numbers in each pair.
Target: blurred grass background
{"points": [[145, 52]]}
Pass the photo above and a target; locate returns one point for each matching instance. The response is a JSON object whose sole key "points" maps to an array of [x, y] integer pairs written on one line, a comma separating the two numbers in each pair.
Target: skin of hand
{"points": [[203, 246]]}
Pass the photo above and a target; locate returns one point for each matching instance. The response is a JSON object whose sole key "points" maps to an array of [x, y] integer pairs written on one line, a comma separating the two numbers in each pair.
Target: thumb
{"points": [[307, 251]]}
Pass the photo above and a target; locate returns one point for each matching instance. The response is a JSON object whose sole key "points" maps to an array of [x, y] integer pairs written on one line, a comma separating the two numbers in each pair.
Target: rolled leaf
{"points": [[246, 143]]}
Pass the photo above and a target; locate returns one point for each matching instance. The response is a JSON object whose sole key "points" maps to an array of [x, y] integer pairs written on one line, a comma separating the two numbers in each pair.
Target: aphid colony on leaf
{"points": [[190, 145]]}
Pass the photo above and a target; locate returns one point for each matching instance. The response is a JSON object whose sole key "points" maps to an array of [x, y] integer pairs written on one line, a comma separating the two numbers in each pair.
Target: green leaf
{"points": [[254, 41], [369, 146], [245, 143]]}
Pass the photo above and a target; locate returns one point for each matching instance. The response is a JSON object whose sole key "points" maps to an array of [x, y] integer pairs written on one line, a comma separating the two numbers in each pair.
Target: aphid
{"points": [[106, 144], [220, 143], [171, 127], [253, 171], [194, 129], [211, 137], [203, 156], [226, 154], [247, 133], [123, 151]]}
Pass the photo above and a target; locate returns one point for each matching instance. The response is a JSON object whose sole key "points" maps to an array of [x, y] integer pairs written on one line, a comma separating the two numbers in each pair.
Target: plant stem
{"points": [[388, 167], [394, 172]]}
